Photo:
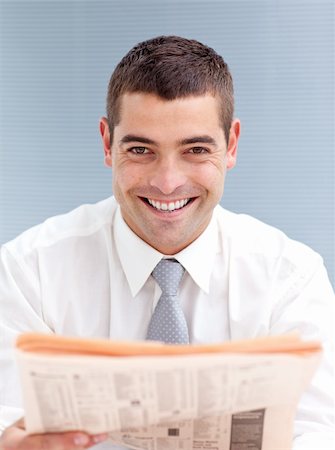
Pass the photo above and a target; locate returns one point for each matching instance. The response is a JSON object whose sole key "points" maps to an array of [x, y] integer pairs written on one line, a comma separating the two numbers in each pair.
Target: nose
{"points": [[168, 175]]}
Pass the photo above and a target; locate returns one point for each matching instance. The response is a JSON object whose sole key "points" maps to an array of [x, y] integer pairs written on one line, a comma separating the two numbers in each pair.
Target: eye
{"points": [[198, 150], [138, 150]]}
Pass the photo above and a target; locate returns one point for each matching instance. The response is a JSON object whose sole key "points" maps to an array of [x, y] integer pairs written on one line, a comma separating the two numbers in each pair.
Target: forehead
{"points": [[142, 111]]}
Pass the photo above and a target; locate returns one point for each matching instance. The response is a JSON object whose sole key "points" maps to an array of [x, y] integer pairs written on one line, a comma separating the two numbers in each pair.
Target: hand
{"points": [[15, 437]]}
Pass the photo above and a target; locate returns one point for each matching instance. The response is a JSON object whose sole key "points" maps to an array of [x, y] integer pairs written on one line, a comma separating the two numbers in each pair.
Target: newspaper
{"points": [[234, 396]]}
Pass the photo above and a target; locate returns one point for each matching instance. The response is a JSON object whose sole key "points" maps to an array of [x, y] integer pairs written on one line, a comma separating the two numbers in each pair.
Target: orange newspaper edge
{"points": [[56, 344]]}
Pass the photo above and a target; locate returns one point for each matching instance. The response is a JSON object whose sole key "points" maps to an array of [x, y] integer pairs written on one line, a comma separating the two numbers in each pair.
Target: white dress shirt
{"points": [[86, 273]]}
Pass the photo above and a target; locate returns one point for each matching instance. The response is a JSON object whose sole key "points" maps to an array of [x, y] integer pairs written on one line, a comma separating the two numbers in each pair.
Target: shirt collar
{"points": [[199, 257], [138, 259]]}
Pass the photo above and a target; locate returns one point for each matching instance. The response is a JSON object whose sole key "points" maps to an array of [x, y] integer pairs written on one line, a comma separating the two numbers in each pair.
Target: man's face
{"points": [[169, 160]]}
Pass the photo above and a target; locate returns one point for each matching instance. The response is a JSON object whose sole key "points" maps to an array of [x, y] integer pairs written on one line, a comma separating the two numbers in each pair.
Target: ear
{"points": [[104, 131], [234, 135]]}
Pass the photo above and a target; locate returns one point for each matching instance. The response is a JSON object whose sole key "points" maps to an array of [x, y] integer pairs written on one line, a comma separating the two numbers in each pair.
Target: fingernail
{"points": [[81, 439], [99, 437]]}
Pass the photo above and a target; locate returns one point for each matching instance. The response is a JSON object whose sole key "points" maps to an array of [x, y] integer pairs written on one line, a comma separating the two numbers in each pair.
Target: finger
{"points": [[15, 438], [19, 424], [97, 438], [61, 441]]}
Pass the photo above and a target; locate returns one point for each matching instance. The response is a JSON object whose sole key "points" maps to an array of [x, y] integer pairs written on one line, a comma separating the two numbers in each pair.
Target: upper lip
{"points": [[167, 200]]}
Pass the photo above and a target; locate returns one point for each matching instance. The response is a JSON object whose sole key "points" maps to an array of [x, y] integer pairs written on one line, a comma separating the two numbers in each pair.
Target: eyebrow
{"points": [[204, 139], [198, 139], [133, 138]]}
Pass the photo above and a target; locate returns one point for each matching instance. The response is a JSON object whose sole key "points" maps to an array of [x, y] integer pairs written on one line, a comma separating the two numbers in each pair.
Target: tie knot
{"points": [[168, 274]]}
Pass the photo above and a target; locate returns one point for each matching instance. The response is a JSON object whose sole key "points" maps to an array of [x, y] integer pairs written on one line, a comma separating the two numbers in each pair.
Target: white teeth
{"points": [[171, 206]]}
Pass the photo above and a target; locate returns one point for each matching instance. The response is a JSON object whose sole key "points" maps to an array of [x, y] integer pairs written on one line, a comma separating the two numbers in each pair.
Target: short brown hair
{"points": [[171, 67]]}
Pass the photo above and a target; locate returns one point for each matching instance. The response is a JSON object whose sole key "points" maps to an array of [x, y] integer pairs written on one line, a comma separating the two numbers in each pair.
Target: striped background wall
{"points": [[56, 58]]}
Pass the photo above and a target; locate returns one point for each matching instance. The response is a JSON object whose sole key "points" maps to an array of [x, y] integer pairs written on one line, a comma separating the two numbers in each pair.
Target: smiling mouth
{"points": [[167, 206]]}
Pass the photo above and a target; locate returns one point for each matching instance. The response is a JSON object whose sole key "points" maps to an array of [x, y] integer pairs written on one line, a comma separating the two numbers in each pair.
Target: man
{"points": [[170, 137]]}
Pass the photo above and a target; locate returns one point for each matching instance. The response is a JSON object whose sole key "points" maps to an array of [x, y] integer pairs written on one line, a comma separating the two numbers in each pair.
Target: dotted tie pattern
{"points": [[168, 322]]}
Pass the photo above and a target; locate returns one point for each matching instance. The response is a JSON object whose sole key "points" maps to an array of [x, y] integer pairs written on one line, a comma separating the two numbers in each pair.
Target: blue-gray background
{"points": [[56, 58]]}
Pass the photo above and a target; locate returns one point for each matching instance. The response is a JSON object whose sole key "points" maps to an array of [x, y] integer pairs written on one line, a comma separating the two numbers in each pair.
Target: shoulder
{"points": [[251, 238], [84, 221]]}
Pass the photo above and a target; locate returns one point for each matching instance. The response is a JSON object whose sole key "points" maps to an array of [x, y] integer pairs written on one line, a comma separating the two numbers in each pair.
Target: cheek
{"points": [[213, 181], [210, 175], [125, 179], [119, 182]]}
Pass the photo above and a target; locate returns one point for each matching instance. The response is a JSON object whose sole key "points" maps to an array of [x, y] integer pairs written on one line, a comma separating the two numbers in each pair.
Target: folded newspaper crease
{"points": [[235, 395]]}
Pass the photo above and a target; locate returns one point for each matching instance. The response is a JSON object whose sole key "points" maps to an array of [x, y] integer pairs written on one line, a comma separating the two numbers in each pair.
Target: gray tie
{"points": [[168, 322]]}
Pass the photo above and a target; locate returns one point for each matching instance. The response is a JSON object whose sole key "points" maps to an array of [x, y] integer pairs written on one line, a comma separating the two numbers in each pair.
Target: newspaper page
{"points": [[202, 401]]}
